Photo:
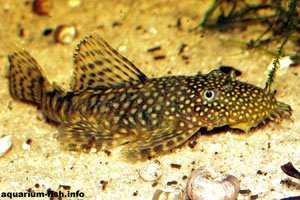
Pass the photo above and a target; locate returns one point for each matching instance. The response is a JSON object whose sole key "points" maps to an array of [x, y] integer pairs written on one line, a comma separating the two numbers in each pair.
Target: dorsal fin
{"points": [[99, 66]]}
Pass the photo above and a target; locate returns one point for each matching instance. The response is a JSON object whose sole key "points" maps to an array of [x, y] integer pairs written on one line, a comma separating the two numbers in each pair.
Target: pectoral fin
{"points": [[86, 134], [157, 141]]}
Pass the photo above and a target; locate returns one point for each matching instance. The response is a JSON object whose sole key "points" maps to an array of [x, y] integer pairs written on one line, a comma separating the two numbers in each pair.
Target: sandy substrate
{"points": [[254, 158]]}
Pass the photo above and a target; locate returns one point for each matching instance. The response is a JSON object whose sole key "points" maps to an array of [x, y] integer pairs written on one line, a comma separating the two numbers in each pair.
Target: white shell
{"points": [[152, 171], [201, 186], [171, 194], [5, 144], [65, 34]]}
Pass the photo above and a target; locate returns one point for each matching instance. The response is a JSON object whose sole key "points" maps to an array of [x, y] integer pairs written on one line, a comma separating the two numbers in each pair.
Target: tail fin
{"points": [[27, 82]]}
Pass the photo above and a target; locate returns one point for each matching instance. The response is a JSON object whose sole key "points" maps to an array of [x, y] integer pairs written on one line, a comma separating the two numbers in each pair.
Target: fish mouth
{"points": [[281, 111]]}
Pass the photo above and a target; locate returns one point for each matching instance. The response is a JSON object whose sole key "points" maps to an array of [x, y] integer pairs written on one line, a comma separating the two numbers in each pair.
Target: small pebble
{"points": [[135, 193], [115, 24], [47, 31], [65, 187], [122, 48], [154, 184], [29, 141], [23, 32], [253, 197], [65, 34], [74, 3], [177, 166], [154, 49], [41, 7], [192, 144], [108, 153], [160, 57], [26, 146], [245, 191], [182, 48], [169, 183], [5, 144], [170, 194], [153, 31], [184, 57], [104, 184], [152, 171]]}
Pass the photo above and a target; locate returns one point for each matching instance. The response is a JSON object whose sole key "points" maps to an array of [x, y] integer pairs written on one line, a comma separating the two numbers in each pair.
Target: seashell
{"points": [[171, 194], [201, 186], [5, 144], [152, 171], [65, 34], [41, 7]]}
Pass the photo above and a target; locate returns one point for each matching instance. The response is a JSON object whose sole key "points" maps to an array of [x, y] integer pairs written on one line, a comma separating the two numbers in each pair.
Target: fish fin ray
{"points": [[99, 66], [157, 141], [27, 80], [87, 134]]}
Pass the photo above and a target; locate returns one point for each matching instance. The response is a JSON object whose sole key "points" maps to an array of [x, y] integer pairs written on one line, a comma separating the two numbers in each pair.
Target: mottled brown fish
{"points": [[113, 103]]}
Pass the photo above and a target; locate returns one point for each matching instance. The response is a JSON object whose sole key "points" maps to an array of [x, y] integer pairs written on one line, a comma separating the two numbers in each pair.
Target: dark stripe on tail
{"points": [[27, 82]]}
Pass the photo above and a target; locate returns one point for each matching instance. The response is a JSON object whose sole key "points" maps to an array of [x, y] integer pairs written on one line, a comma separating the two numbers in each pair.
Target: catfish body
{"points": [[113, 103]]}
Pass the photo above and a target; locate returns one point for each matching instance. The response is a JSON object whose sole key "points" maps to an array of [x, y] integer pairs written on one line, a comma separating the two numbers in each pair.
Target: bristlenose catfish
{"points": [[113, 103]]}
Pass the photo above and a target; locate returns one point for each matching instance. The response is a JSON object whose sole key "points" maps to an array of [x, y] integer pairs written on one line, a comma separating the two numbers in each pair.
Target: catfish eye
{"points": [[209, 94]]}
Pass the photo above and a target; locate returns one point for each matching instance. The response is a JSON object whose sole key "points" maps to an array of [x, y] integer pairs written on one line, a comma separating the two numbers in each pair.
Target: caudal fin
{"points": [[27, 82]]}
